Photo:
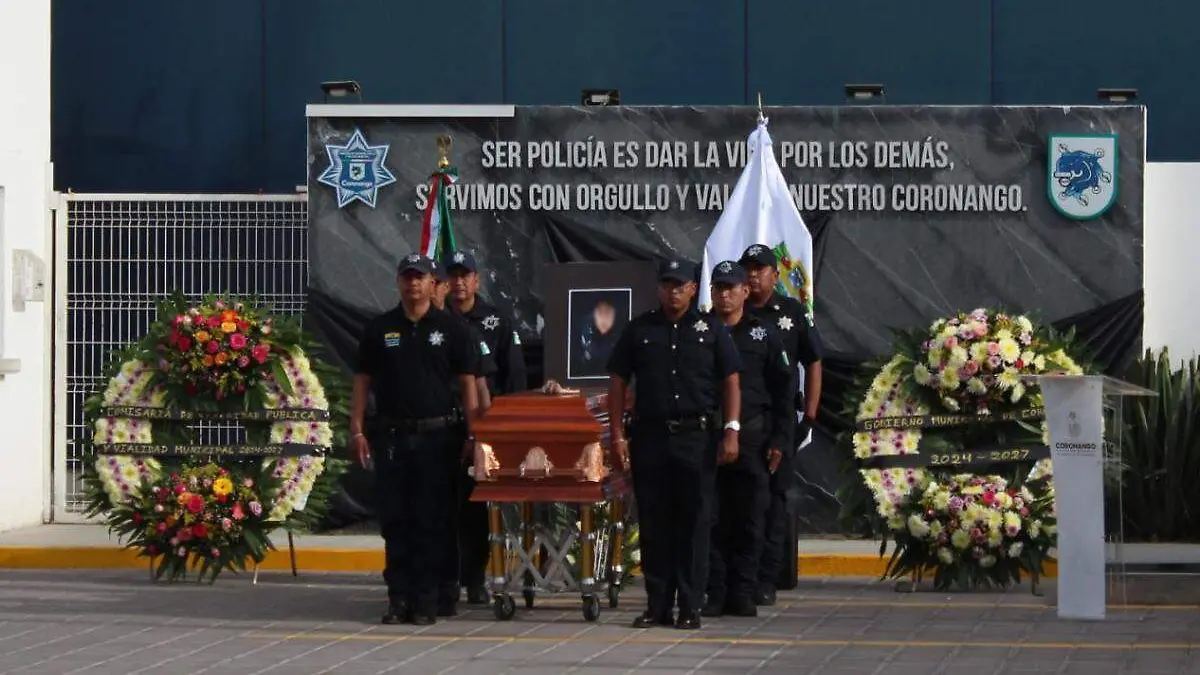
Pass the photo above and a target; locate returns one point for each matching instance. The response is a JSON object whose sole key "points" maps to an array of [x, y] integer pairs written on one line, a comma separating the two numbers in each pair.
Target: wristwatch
{"points": [[733, 425]]}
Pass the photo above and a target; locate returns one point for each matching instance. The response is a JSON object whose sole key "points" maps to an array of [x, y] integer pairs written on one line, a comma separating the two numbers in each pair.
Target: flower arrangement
{"points": [[216, 349], [163, 372], [970, 530], [203, 516]]}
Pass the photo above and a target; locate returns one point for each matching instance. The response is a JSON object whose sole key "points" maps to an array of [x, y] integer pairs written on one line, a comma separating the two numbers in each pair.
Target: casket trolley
{"points": [[540, 448]]}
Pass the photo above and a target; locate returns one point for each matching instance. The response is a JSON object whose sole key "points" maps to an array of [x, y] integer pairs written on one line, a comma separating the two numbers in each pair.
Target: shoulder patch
{"points": [[786, 362], [483, 348], [516, 339]]}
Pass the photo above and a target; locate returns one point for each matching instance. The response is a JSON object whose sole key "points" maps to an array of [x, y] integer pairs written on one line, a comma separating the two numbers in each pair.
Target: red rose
{"points": [[195, 504], [179, 488], [243, 326], [199, 530], [214, 322], [988, 498], [185, 343], [137, 517], [221, 499], [212, 347]]}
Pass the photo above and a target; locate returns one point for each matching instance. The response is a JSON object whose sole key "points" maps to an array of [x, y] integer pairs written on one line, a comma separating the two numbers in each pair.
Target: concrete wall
{"points": [[25, 176], [1171, 274], [209, 96]]}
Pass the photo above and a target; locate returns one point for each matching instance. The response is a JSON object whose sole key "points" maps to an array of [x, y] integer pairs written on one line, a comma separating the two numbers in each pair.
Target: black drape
{"points": [[1109, 335]]}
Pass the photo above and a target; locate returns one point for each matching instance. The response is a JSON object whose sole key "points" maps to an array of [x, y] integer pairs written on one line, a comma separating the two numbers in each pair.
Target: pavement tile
{"points": [[100, 622]]}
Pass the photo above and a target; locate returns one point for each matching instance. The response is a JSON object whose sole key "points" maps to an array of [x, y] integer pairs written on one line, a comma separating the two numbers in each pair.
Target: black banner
{"points": [[228, 451], [958, 459], [176, 414], [949, 420]]}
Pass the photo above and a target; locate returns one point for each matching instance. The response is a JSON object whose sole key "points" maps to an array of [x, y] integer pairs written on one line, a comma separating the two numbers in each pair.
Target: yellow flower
{"points": [[202, 336], [228, 327], [948, 378], [1010, 351], [222, 486]]}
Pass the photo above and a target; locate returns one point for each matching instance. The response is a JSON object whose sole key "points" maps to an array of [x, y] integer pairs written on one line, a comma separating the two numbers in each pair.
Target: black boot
{"points": [[651, 618], [397, 612], [714, 607], [765, 596], [741, 605], [477, 595]]}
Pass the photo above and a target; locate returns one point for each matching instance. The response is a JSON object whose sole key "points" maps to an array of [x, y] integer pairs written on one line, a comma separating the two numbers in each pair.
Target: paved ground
{"points": [[102, 622]]}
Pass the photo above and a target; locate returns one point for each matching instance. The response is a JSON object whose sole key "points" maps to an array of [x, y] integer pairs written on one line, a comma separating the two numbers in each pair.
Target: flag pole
{"points": [[761, 118]]}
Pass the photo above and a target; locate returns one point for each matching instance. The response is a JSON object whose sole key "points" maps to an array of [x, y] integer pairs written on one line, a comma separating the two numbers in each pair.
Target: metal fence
{"points": [[117, 256]]}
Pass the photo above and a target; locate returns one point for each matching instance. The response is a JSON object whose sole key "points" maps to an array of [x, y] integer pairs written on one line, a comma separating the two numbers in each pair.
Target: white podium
{"points": [[1075, 420]]}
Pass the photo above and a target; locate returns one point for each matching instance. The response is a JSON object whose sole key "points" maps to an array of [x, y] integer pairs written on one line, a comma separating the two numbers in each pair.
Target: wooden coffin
{"points": [[537, 447]]}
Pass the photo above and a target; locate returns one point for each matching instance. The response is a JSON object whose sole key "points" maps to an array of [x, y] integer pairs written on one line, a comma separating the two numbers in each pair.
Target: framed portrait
{"points": [[588, 305]]}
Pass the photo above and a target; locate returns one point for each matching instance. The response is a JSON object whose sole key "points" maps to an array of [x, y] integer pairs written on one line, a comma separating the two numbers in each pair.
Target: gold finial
{"points": [[443, 147]]}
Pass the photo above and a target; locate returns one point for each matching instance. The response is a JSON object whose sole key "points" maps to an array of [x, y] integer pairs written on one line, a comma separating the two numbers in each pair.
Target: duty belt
{"points": [[679, 424], [416, 425]]}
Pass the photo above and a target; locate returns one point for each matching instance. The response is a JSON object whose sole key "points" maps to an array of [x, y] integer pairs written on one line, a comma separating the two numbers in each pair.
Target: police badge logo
{"points": [[356, 170], [1081, 174]]}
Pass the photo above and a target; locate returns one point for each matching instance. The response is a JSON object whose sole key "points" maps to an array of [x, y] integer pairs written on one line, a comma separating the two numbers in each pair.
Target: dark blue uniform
{"points": [[791, 320], [767, 383], [452, 571], [676, 369], [415, 443], [508, 377]]}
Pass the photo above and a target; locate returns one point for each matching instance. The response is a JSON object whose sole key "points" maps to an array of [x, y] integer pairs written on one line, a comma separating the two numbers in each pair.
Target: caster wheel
{"points": [[591, 608], [614, 596], [529, 595], [504, 608]]}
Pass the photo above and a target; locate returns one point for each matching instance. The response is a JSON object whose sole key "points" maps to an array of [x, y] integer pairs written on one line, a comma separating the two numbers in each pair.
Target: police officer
{"points": [[802, 342], [510, 377], [448, 593], [683, 367], [406, 359], [742, 493]]}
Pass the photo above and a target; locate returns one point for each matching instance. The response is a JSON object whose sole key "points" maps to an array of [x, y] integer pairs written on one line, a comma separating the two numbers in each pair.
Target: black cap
{"points": [[677, 269], [729, 272], [418, 262], [461, 260], [758, 254], [440, 272]]}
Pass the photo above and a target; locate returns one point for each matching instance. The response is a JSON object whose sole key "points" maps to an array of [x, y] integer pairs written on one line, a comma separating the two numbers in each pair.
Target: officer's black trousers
{"points": [[672, 483], [775, 526], [472, 530], [415, 484], [742, 498]]}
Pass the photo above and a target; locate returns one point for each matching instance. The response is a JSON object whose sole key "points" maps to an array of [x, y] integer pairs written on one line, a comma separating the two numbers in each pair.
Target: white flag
{"points": [[761, 211]]}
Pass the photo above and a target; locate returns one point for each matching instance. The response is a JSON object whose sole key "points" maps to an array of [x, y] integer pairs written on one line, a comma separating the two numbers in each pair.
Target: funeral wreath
{"points": [[952, 444], [211, 507]]}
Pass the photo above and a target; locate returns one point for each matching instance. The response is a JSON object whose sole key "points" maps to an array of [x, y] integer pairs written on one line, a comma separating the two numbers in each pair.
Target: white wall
{"points": [[1171, 266], [25, 174]]}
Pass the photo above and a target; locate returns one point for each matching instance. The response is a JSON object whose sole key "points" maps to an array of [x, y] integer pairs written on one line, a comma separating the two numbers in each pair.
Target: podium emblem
{"points": [[356, 170], [1081, 174], [1074, 428]]}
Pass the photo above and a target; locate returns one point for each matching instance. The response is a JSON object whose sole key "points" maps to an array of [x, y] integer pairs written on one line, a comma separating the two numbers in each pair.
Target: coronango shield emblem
{"points": [[1082, 174], [356, 170]]}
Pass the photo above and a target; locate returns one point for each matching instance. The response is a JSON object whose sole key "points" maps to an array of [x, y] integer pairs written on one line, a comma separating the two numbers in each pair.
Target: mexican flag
{"points": [[437, 228]]}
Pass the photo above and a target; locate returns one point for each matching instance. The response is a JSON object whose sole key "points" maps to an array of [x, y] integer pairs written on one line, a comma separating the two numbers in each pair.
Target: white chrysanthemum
{"points": [[1010, 350]]}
